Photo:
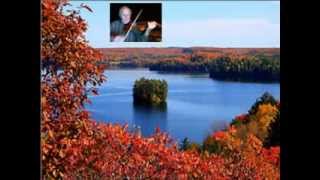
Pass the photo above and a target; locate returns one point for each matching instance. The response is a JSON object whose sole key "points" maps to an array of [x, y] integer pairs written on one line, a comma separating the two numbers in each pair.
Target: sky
{"points": [[197, 23]]}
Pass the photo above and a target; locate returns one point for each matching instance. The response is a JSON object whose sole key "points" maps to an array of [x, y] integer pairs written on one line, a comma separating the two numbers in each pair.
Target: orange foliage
{"points": [[249, 159], [68, 68], [113, 153], [150, 55]]}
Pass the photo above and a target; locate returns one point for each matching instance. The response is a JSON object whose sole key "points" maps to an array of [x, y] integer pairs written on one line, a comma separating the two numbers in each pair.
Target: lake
{"points": [[196, 104]]}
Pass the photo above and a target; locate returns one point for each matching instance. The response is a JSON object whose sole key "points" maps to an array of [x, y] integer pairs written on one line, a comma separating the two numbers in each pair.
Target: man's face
{"points": [[125, 15]]}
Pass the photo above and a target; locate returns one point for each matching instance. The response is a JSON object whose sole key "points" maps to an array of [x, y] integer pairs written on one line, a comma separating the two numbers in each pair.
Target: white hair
{"points": [[122, 8]]}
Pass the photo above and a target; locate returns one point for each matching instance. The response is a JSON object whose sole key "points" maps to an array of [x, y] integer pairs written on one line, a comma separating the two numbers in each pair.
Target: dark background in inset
{"points": [[151, 12]]}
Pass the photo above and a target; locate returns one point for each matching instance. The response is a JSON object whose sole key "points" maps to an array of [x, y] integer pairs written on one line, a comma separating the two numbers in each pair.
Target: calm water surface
{"points": [[196, 104]]}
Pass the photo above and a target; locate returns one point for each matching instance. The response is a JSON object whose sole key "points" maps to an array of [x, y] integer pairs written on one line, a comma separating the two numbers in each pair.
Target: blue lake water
{"points": [[196, 104]]}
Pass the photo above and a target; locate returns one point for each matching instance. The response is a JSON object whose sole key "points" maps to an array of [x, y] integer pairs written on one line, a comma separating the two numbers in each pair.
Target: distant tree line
{"points": [[251, 68], [176, 66], [247, 69]]}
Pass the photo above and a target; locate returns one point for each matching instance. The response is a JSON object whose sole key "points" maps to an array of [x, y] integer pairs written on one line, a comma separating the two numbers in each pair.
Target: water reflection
{"points": [[196, 106], [148, 118]]}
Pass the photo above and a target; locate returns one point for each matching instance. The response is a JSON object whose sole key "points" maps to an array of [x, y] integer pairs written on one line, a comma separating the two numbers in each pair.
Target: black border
{"points": [[23, 128], [283, 89]]}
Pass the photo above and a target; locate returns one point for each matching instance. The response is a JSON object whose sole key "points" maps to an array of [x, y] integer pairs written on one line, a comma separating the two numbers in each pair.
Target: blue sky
{"points": [[201, 23]]}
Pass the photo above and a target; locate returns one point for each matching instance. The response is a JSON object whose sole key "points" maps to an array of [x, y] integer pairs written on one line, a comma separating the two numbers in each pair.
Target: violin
{"points": [[154, 36], [140, 26]]}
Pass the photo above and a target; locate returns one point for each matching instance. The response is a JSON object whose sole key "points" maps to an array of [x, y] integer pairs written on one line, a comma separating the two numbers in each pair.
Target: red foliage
{"points": [[272, 155], [68, 68], [242, 117], [219, 135], [232, 129], [113, 153]]}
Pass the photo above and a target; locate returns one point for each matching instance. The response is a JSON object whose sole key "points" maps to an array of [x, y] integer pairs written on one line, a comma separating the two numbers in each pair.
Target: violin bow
{"points": [[135, 20]]}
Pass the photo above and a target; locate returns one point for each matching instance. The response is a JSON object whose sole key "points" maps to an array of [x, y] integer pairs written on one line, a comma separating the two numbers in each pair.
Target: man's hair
{"points": [[122, 8]]}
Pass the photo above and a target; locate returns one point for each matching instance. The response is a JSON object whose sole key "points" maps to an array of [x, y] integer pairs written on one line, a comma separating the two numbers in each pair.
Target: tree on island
{"points": [[150, 91]]}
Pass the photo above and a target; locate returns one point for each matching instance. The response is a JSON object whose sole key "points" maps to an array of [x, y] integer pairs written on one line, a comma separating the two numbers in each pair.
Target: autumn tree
{"points": [[262, 120], [68, 74], [273, 138], [266, 98], [150, 91]]}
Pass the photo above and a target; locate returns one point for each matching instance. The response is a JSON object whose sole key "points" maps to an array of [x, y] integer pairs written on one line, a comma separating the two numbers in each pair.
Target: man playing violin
{"points": [[118, 28]]}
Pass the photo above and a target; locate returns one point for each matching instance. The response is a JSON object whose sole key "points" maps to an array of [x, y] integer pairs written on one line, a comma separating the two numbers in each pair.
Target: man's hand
{"points": [[152, 25]]}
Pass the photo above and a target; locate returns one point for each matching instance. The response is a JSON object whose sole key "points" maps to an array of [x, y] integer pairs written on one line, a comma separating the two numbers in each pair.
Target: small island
{"points": [[150, 91]]}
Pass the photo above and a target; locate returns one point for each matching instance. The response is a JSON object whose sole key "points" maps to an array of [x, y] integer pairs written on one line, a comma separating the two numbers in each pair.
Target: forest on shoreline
{"points": [[236, 64]]}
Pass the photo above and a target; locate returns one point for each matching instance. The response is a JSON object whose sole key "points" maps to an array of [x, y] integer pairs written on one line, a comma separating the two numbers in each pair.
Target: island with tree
{"points": [[150, 91]]}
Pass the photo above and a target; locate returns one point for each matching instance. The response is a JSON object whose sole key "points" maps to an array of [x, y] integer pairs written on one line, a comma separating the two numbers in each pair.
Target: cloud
{"points": [[219, 32], [223, 32]]}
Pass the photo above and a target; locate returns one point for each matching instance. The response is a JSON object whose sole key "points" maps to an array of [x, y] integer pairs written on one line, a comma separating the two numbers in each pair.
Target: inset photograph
{"points": [[135, 22]]}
